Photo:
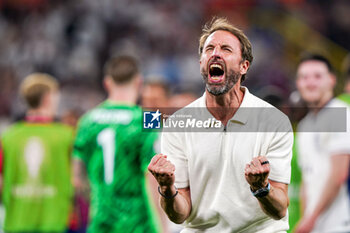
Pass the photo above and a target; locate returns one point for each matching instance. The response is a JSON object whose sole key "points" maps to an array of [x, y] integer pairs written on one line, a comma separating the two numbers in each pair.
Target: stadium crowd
{"points": [[72, 39]]}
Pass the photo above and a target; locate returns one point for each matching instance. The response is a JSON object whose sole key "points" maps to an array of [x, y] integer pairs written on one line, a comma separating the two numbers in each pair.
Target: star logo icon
{"points": [[151, 120], [155, 115]]}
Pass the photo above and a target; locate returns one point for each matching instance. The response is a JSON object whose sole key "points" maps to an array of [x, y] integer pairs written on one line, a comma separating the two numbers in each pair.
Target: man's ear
{"points": [[244, 66], [45, 99], [50, 101], [107, 83], [138, 80], [200, 59], [333, 80]]}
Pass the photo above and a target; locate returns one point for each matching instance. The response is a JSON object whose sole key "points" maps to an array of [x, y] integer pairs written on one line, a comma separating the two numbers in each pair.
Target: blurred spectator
{"points": [[7, 90], [71, 117], [37, 192], [71, 39], [324, 152], [182, 99], [155, 94]]}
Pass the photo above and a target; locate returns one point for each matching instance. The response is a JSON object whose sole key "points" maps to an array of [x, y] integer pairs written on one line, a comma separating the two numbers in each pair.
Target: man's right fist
{"points": [[162, 169]]}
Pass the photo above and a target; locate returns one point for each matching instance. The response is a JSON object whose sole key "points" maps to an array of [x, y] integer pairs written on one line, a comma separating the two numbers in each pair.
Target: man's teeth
{"points": [[215, 66]]}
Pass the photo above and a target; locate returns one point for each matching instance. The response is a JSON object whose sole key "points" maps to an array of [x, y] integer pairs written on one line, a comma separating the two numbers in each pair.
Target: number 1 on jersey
{"points": [[106, 139]]}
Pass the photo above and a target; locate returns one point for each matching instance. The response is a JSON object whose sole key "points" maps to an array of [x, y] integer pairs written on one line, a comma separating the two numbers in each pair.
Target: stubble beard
{"points": [[231, 78]]}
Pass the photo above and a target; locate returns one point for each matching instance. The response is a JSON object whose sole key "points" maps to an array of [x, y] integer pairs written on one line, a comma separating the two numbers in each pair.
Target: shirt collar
{"points": [[241, 116]]}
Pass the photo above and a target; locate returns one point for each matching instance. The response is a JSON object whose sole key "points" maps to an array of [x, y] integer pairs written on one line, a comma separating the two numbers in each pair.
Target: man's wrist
{"points": [[313, 217], [262, 192], [168, 191], [254, 188]]}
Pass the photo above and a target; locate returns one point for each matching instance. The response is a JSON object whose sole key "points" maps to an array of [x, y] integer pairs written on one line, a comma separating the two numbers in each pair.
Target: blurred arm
{"points": [[80, 182], [338, 175]]}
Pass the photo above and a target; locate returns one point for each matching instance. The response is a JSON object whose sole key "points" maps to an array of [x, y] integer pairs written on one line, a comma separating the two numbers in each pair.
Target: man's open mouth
{"points": [[216, 73]]}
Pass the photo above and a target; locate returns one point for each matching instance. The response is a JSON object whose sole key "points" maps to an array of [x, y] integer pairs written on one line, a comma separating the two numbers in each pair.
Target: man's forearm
{"points": [[328, 196], [338, 175], [178, 208], [275, 204], [176, 204]]}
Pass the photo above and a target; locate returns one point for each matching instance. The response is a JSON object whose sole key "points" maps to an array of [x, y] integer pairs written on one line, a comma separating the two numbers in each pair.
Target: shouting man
{"points": [[234, 180]]}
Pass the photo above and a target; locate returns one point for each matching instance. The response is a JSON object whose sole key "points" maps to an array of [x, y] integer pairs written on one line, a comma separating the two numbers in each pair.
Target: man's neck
{"points": [[317, 106], [39, 115], [39, 112], [223, 107], [125, 95]]}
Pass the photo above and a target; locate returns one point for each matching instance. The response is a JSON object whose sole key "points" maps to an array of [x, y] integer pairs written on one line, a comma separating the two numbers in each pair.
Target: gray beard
{"points": [[231, 79]]}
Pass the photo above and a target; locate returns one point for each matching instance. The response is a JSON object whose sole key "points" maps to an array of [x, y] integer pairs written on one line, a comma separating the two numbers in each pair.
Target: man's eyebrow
{"points": [[226, 45], [209, 45], [222, 46]]}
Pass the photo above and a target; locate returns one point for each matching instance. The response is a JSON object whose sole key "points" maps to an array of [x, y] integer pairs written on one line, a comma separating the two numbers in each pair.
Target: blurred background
{"points": [[71, 39]]}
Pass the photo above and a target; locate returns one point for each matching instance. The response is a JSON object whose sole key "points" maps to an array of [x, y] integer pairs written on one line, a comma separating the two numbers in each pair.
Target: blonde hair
{"points": [[35, 86], [219, 23]]}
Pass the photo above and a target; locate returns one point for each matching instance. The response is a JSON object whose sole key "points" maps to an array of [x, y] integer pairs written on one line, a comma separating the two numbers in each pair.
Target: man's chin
{"points": [[217, 90], [311, 99]]}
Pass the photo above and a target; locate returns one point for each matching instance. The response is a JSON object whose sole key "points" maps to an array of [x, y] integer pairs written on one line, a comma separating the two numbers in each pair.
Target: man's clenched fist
{"points": [[257, 172], [163, 170]]}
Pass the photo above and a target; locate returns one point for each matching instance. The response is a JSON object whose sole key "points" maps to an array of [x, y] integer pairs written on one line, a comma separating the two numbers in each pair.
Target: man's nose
{"points": [[216, 54], [217, 51]]}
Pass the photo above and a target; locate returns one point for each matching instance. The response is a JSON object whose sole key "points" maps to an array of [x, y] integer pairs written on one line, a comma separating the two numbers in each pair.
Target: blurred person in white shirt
{"points": [[324, 151]]}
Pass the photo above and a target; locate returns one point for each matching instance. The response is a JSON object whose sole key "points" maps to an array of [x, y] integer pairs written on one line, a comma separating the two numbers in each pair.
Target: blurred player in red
{"points": [[37, 191]]}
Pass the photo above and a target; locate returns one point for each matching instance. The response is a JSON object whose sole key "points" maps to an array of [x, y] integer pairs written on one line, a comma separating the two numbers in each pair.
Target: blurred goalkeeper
{"points": [[111, 147]]}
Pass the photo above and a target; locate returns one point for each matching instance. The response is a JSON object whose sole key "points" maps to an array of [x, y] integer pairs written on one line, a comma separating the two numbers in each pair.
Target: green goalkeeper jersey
{"points": [[37, 190], [115, 150]]}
